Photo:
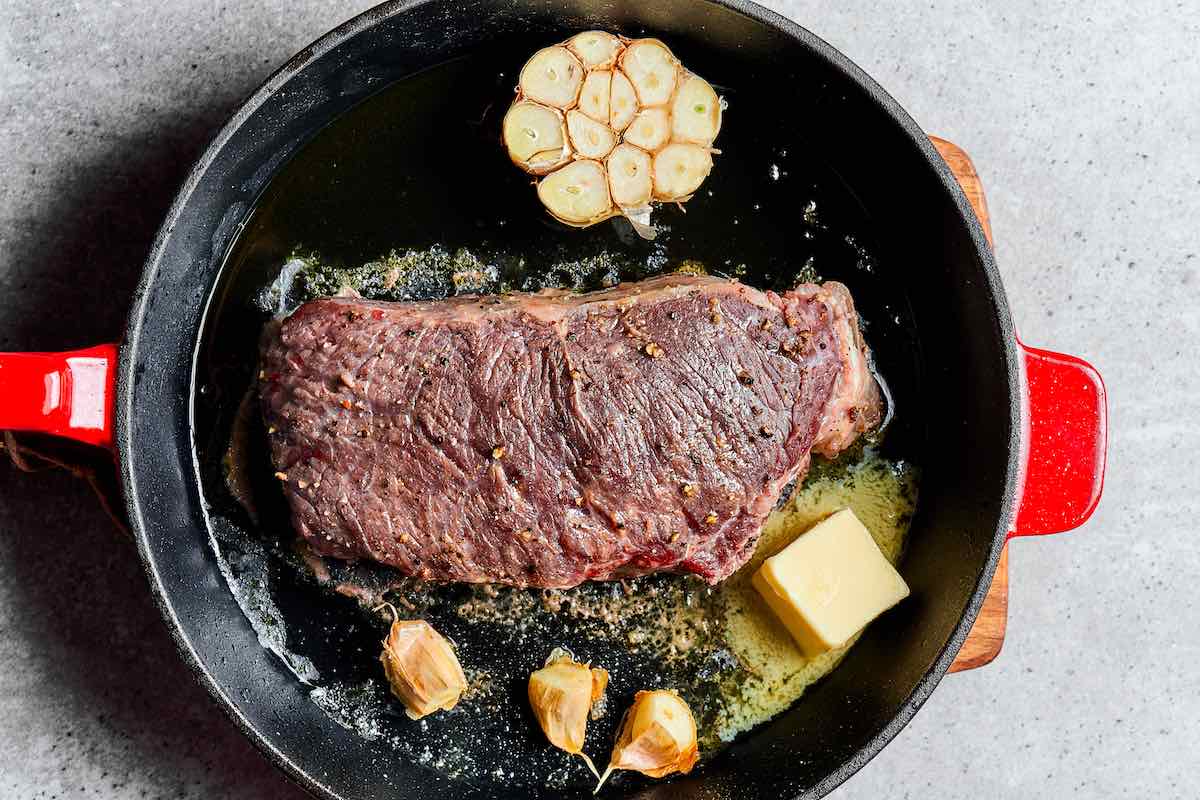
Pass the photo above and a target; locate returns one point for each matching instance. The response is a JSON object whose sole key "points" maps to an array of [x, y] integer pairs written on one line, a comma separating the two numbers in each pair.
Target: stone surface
{"points": [[1084, 121]]}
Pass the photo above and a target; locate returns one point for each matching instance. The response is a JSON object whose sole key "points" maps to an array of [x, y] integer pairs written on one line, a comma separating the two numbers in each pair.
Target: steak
{"points": [[547, 439]]}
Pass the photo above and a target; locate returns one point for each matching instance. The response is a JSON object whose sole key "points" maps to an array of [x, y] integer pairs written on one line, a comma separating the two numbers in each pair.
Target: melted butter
{"points": [[776, 674]]}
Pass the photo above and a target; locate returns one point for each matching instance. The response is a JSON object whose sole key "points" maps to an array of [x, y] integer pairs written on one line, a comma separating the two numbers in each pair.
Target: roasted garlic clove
{"points": [[590, 139], [652, 69], [629, 177], [695, 112], [421, 668], [562, 694], [595, 95], [577, 194], [536, 138], [657, 736], [679, 169], [553, 76], [650, 129], [596, 49], [622, 103]]}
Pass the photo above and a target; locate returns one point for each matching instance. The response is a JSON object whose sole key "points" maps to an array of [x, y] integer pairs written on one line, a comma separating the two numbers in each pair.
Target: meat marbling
{"points": [[548, 439]]}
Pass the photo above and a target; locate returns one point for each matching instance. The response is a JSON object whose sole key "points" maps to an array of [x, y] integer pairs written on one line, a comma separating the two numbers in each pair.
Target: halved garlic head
{"points": [[679, 169], [421, 668], [614, 125], [577, 194], [553, 77], [561, 695], [657, 736], [650, 129], [590, 139], [652, 69], [596, 49], [629, 176], [535, 137], [695, 112], [595, 95]]}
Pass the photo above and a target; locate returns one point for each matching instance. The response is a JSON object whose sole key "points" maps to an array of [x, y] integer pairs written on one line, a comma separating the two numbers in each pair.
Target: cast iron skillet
{"points": [[988, 420]]}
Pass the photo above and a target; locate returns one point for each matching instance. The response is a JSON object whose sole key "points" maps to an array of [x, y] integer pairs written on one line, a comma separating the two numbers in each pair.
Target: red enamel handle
{"points": [[1066, 439], [65, 394]]}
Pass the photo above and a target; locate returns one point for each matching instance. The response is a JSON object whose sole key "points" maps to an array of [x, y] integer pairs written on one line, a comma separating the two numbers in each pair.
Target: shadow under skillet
{"points": [[84, 652]]}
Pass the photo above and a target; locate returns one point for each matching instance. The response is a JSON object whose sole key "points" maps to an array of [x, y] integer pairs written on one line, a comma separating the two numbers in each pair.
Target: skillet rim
{"points": [[130, 348]]}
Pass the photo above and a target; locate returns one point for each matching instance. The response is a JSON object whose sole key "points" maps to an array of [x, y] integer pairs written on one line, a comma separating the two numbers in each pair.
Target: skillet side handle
{"points": [[1067, 418], [65, 394]]}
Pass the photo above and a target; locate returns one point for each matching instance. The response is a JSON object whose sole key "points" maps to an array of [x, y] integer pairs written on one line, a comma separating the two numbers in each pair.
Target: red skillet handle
{"points": [[65, 394], [1067, 437]]}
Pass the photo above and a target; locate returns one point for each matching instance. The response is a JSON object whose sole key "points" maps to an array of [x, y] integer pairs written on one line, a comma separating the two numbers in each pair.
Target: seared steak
{"points": [[549, 439]]}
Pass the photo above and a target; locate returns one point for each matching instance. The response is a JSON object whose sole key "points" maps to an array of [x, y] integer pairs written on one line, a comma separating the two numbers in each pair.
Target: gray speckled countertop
{"points": [[1084, 121]]}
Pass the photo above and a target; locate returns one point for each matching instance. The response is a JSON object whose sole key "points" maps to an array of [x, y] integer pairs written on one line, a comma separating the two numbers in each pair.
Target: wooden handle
{"points": [[987, 634]]}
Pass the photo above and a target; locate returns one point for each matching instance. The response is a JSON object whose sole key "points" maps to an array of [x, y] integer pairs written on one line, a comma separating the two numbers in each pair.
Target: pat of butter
{"points": [[829, 583]]}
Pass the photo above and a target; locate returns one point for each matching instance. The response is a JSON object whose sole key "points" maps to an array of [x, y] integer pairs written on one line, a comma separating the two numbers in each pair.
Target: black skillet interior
{"points": [[412, 167]]}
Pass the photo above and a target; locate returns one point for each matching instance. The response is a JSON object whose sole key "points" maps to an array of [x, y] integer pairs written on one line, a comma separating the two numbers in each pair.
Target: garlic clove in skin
{"points": [[536, 137], [695, 112], [622, 103], [590, 139], [652, 69], [421, 667], [679, 169], [577, 194], [629, 176], [561, 695], [657, 737], [596, 94], [650, 129], [596, 49], [552, 77]]}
